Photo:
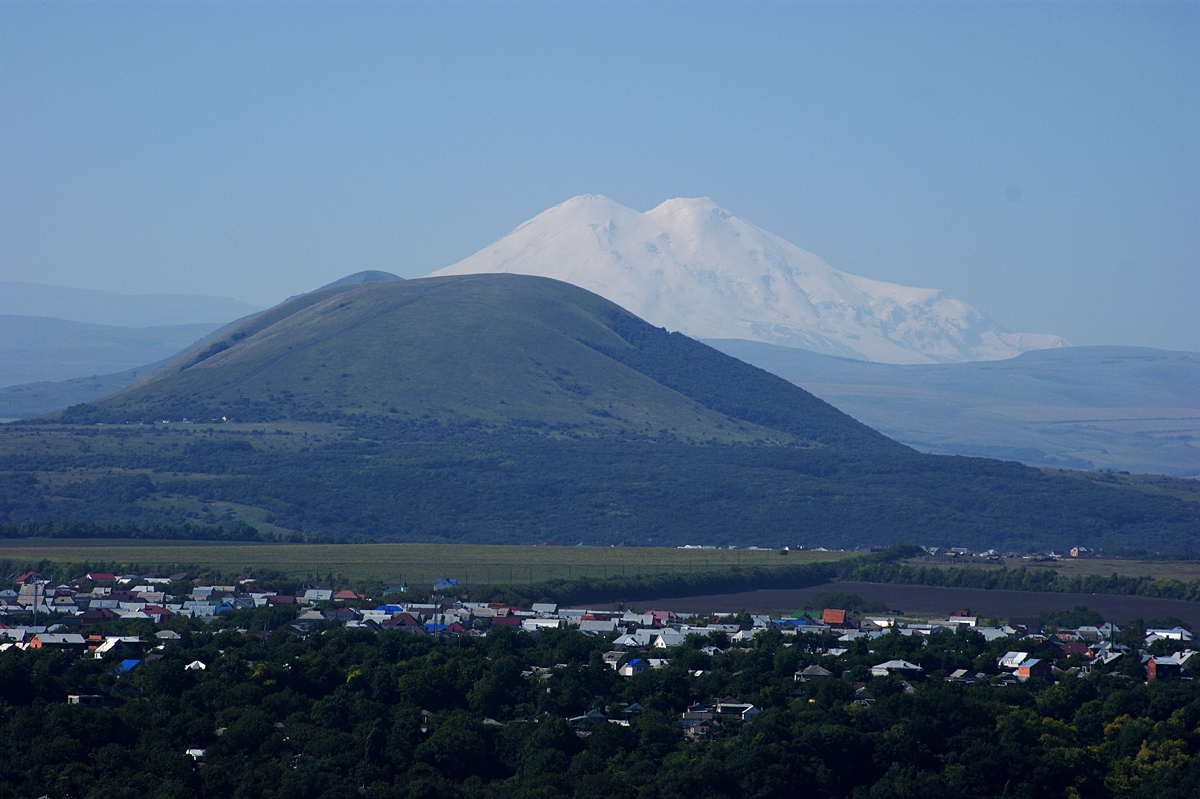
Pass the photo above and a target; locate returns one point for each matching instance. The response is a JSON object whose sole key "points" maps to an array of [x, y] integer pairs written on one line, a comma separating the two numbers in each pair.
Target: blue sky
{"points": [[1040, 161]]}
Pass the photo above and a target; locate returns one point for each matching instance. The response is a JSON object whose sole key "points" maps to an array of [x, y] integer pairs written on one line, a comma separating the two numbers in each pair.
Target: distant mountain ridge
{"points": [[40, 349], [691, 266], [1123, 408], [124, 310]]}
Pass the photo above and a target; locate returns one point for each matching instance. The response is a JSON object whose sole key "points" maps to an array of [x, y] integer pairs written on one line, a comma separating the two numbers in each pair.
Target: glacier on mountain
{"points": [[691, 266]]}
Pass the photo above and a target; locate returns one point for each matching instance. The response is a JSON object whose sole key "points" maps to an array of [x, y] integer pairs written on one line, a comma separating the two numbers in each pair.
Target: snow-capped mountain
{"points": [[690, 266]]}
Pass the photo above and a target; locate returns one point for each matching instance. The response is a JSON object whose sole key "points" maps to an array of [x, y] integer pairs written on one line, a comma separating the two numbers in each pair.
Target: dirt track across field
{"points": [[932, 599]]}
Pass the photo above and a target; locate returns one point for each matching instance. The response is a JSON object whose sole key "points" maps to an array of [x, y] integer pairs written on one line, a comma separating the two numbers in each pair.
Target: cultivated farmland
{"points": [[412, 563]]}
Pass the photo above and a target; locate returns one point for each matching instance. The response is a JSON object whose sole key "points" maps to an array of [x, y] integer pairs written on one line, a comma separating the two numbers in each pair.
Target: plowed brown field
{"points": [[936, 600]]}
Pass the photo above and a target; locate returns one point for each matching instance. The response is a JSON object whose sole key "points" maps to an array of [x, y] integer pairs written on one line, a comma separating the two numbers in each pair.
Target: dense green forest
{"points": [[340, 713], [528, 487]]}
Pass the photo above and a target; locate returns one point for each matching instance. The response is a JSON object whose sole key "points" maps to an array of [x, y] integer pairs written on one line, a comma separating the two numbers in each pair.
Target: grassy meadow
{"points": [[412, 563]]}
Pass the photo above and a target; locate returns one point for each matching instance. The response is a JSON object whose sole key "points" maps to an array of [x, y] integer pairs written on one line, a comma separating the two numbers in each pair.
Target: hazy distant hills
{"points": [[38, 349], [1123, 408], [496, 350], [121, 310], [47, 364], [691, 266]]}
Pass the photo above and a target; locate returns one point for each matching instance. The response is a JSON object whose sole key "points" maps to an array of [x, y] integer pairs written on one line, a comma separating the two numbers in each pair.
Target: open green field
{"points": [[412, 563], [1182, 570]]}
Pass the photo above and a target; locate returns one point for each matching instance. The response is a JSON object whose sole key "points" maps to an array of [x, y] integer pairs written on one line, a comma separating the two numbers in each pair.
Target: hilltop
{"points": [[492, 351]]}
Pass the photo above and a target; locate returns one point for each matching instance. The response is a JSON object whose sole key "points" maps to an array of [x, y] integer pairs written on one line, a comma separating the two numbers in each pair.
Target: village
{"points": [[640, 641]]}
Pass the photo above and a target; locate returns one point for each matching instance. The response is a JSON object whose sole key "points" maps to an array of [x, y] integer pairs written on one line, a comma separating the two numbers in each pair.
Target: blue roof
{"points": [[390, 608], [128, 665], [635, 660]]}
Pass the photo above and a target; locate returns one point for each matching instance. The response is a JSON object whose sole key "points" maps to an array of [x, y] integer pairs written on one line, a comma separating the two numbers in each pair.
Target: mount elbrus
{"points": [[691, 266]]}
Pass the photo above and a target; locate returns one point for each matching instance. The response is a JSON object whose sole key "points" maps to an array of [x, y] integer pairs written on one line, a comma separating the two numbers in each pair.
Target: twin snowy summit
{"points": [[691, 266]]}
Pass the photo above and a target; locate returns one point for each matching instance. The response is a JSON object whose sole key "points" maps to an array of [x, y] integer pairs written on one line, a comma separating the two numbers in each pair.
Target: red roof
{"points": [[1074, 648], [832, 616]]}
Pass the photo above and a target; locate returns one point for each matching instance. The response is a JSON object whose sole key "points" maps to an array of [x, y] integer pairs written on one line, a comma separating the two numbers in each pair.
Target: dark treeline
{"points": [[234, 531], [393, 715], [876, 568], [1022, 579]]}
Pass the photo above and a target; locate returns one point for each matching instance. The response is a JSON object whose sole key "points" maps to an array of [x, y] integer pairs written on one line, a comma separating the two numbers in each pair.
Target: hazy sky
{"points": [[1039, 161]]}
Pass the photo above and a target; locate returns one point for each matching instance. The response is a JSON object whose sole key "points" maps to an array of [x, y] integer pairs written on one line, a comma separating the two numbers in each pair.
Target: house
{"points": [[633, 668], [97, 616], [87, 700], [897, 667], [1175, 665], [811, 674], [668, 639], [697, 729], [1173, 634], [589, 719], [597, 627], [743, 711], [74, 643], [534, 625], [834, 617], [1068, 648], [1034, 668], [1012, 660], [120, 644]]}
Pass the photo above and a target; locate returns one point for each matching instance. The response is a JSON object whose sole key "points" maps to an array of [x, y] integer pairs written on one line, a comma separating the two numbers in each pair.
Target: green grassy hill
{"points": [[491, 351]]}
